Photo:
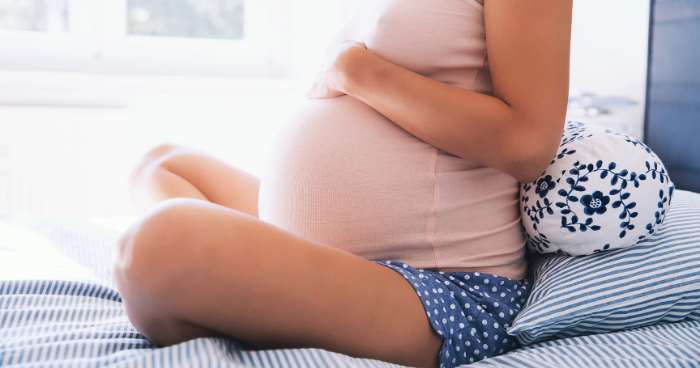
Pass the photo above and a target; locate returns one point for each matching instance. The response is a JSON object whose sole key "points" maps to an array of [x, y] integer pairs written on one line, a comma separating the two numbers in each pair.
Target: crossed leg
{"points": [[170, 171], [193, 268]]}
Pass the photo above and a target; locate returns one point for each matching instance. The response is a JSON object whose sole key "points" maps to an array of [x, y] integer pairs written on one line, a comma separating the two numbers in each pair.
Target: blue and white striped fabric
{"points": [[673, 345], [66, 324], [81, 323], [654, 282]]}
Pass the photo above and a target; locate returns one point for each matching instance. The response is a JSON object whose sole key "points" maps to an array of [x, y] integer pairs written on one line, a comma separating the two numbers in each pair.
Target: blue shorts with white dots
{"points": [[471, 311]]}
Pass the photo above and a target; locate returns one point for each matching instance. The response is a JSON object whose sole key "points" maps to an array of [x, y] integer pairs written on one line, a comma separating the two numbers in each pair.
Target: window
{"points": [[191, 37], [213, 19], [33, 15]]}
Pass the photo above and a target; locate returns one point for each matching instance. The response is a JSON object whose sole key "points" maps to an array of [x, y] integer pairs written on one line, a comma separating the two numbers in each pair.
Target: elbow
{"points": [[528, 155], [529, 166]]}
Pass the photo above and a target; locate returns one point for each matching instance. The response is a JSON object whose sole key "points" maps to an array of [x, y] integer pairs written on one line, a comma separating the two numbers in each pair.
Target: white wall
{"points": [[75, 161], [609, 59], [609, 46]]}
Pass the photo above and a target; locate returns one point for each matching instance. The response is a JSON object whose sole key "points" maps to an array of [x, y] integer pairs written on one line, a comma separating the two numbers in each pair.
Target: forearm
{"points": [[468, 124]]}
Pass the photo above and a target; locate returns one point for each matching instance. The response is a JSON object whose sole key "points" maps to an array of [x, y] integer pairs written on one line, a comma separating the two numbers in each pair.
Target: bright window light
{"points": [[230, 38], [223, 19], [131, 74], [34, 15]]}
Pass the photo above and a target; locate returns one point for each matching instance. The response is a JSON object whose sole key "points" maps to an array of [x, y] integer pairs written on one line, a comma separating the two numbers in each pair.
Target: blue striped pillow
{"points": [[656, 281]]}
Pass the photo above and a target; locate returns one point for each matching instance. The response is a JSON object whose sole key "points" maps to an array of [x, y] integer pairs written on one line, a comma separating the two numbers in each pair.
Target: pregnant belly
{"points": [[345, 176]]}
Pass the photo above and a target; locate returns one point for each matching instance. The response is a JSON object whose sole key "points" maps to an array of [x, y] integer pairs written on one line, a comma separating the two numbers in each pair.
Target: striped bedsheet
{"points": [[656, 281], [73, 323], [77, 321]]}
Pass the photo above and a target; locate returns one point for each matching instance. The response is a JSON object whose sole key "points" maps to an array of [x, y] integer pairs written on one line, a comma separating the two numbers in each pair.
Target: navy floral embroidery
{"points": [[578, 206], [544, 185], [630, 140], [595, 203], [574, 131], [605, 247], [660, 213]]}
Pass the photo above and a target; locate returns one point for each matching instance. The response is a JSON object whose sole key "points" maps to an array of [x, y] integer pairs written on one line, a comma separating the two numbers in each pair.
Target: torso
{"points": [[345, 176]]}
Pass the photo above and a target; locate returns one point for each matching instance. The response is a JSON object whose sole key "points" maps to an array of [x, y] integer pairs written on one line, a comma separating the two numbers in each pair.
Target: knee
{"points": [[152, 261], [160, 151], [156, 245], [155, 157]]}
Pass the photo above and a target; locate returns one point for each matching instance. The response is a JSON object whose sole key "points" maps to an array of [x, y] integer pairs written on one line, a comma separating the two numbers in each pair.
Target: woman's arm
{"points": [[518, 130]]}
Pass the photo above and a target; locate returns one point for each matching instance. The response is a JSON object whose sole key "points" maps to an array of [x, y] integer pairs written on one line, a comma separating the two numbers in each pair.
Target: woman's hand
{"points": [[332, 81]]}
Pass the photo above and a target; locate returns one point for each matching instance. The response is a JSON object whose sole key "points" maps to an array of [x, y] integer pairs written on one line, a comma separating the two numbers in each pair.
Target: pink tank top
{"points": [[345, 176]]}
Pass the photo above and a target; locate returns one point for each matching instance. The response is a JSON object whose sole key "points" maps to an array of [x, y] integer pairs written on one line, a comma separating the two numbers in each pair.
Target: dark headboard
{"points": [[672, 126]]}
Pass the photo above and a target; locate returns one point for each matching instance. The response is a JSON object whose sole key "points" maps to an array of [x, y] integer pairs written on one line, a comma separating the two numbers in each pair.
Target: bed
{"points": [[65, 311], [59, 306]]}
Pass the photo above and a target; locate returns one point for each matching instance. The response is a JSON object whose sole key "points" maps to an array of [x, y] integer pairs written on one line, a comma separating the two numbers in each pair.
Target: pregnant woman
{"points": [[388, 225]]}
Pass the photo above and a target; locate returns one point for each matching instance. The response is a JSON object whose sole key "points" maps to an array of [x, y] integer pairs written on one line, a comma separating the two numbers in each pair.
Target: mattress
{"points": [[59, 307]]}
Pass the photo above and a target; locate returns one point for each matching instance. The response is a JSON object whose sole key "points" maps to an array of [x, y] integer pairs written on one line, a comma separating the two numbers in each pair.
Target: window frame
{"points": [[97, 42]]}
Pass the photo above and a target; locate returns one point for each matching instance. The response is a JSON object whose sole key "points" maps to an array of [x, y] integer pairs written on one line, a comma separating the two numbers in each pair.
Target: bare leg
{"points": [[191, 267], [169, 171]]}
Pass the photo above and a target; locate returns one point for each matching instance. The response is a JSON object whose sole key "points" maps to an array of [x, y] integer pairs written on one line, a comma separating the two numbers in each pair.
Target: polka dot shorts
{"points": [[471, 311]]}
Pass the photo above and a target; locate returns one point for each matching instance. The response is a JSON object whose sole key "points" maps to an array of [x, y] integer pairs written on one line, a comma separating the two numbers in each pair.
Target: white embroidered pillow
{"points": [[604, 190]]}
